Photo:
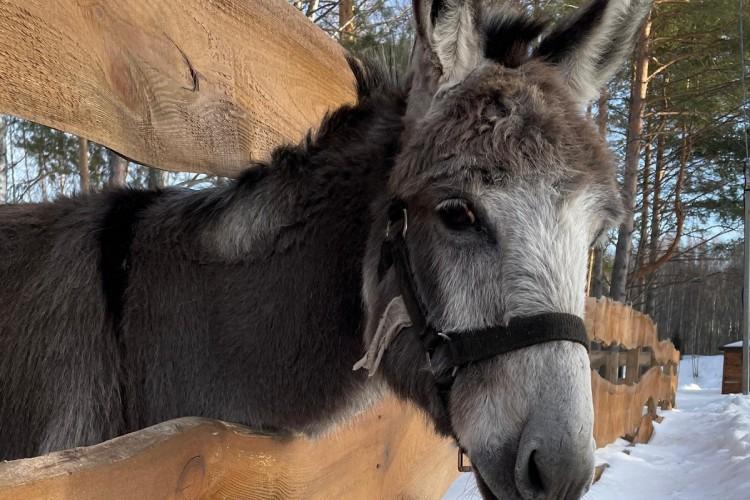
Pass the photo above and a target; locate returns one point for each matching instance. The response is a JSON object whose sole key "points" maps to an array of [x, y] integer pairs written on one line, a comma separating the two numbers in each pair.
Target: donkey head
{"points": [[505, 184]]}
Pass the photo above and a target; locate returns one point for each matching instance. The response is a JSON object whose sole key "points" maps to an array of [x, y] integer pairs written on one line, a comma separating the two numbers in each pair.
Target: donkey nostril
{"points": [[535, 476]]}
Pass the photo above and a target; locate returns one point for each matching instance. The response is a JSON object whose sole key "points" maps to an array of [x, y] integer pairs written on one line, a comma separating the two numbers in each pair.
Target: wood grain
{"points": [[731, 377], [189, 85], [389, 452], [613, 323], [619, 403], [619, 408]]}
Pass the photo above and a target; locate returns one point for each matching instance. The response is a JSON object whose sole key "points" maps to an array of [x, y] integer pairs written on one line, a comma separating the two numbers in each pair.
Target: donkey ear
{"points": [[591, 44], [448, 31]]}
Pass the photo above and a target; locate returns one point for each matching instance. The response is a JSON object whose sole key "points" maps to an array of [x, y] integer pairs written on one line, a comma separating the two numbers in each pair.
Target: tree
{"points": [[118, 169], [83, 164], [597, 267], [3, 161], [346, 21], [156, 178], [638, 89]]}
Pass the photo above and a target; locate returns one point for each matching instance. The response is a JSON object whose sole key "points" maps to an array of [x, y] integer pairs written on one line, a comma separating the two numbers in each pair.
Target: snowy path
{"points": [[701, 451]]}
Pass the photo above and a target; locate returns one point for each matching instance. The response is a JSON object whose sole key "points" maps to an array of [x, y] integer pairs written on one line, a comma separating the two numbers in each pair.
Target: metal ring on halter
{"points": [[403, 231], [463, 466]]}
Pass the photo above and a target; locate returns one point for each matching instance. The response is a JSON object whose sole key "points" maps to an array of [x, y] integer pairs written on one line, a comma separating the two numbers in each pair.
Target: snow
{"points": [[700, 451], [734, 344]]}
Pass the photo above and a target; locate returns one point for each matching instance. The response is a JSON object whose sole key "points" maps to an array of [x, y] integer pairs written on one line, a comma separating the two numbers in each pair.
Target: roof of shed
{"points": [[732, 345]]}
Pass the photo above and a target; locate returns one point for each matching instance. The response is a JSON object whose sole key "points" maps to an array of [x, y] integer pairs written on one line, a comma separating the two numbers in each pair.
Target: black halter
{"points": [[462, 348]]}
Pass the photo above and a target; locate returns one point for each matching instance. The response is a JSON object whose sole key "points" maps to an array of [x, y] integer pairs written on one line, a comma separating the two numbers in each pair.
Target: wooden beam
{"points": [[193, 85], [390, 452]]}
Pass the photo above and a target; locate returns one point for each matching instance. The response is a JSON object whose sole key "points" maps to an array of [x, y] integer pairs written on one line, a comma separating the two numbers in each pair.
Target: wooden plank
{"points": [[619, 407], [623, 326], [194, 85], [731, 379], [390, 452]]}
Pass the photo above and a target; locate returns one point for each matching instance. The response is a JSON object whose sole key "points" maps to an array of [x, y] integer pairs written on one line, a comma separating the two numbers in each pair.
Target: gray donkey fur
{"points": [[251, 303]]}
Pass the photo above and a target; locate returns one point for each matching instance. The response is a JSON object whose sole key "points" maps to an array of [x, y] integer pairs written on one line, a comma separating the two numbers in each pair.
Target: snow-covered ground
{"points": [[700, 451]]}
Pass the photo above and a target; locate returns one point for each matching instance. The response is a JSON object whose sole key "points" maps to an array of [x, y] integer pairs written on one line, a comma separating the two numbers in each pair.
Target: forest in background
{"points": [[673, 117]]}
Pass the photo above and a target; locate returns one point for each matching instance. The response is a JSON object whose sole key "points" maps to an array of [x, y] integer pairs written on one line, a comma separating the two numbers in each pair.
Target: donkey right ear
{"points": [[592, 43]]}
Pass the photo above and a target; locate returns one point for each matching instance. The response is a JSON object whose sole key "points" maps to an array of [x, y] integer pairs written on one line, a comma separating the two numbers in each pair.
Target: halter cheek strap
{"points": [[453, 350]]}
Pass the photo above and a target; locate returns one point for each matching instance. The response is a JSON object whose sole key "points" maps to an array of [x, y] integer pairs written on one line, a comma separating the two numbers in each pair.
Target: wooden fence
{"points": [[630, 370], [209, 85], [389, 452]]}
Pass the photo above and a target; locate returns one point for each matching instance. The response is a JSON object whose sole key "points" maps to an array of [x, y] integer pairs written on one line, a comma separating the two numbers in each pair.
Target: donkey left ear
{"points": [[591, 44], [449, 29], [447, 47]]}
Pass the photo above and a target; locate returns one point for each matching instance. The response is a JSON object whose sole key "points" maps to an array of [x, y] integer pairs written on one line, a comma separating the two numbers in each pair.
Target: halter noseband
{"points": [[462, 348]]}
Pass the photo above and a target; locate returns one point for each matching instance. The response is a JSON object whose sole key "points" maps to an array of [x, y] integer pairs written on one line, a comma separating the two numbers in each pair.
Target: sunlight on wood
{"points": [[186, 85]]}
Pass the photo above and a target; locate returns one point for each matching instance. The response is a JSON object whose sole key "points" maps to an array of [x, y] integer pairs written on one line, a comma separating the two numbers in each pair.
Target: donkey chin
{"points": [[525, 420]]}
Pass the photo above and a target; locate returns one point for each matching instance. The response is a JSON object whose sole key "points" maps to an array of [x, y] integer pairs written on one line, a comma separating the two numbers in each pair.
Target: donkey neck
{"points": [[276, 321]]}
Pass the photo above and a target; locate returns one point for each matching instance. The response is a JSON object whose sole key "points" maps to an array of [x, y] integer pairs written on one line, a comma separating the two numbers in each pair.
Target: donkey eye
{"points": [[456, 214]]}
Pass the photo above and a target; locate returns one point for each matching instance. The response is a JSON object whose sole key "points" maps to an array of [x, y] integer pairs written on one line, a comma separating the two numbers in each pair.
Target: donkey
{"points": [[456, 203]]}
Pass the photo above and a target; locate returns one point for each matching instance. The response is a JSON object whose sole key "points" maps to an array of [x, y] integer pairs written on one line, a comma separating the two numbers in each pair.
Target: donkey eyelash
{"points": [[457, 214], [478, 225]]}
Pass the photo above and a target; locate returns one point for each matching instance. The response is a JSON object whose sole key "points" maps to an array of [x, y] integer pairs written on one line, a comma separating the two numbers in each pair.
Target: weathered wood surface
{"points": [[614, 323], [620, 408], [731, 377], [619, 402], [387, 453], [193, 85]]}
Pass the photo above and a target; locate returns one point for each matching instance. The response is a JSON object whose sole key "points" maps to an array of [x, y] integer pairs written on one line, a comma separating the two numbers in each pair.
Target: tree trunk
{"points": [[597, 268], [597, 278], [118, 169], [346, 21], [655, 217], [156, 178], [685, 153], [643, 231], [635, 126], [3, 162], [83, 163], [312, 9]]}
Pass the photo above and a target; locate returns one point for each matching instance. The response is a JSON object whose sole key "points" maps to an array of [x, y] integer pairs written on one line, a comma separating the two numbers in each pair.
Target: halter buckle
{"points": [[463, 467]]}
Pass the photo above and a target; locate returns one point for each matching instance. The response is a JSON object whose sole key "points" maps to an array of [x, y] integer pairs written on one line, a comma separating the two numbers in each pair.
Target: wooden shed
{"points": [[731, 378]]}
